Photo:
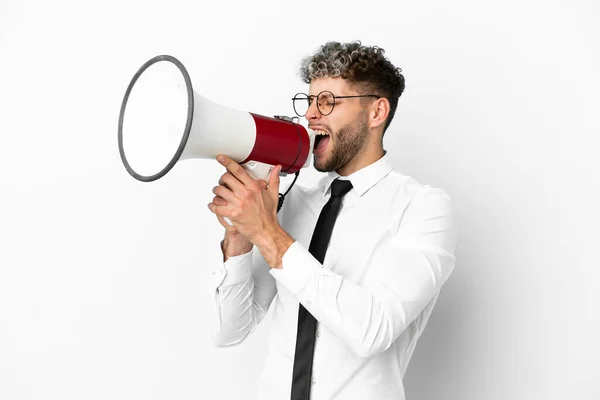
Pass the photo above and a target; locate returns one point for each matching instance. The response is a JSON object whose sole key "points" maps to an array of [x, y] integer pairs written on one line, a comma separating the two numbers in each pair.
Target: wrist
{"points": [[273, 245], [234, 245]]}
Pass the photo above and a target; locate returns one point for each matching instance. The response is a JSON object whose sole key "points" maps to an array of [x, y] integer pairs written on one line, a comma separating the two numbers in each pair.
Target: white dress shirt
{"points": [[391, 250]]}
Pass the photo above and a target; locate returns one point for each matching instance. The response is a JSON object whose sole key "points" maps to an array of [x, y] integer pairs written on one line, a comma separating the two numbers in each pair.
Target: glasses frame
{"points": [[308, 97]]}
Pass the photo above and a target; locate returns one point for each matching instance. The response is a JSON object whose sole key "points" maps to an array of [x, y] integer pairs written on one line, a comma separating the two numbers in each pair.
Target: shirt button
{"points": [[313, 381], [318, 334]]}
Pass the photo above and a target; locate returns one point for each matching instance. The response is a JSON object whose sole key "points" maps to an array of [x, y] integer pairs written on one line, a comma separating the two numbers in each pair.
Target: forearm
{"points": [[238, 315], [240, 295], [368, 317]]}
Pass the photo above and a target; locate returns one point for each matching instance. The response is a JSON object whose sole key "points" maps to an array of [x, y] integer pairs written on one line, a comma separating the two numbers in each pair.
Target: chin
{"points": [[325, 165], [320, 165]]}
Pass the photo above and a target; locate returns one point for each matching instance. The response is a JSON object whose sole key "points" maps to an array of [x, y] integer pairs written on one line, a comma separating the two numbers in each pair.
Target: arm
{"points": [[240, 290], [402, 278]]}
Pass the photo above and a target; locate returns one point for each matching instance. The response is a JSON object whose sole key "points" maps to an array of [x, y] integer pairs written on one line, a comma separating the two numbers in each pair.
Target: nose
{"points": [[312, 113]]}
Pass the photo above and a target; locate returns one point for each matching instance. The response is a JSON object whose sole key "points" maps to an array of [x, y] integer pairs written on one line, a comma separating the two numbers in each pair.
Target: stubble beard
{"points": [[349, 141]]}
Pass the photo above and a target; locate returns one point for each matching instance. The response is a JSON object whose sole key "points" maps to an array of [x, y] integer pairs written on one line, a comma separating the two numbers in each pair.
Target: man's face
{"points": [[345, 128]]}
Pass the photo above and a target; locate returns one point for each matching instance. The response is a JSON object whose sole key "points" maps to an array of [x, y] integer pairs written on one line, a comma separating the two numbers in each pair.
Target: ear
{"points": [[380, 110]]}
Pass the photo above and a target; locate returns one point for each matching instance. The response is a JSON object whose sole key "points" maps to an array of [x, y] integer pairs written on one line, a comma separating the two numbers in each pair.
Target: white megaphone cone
{"points": [[163, 120]]}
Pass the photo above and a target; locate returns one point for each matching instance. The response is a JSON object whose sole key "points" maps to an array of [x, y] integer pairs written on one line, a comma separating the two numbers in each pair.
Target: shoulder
{"points": [[414, 196], [409, 187]]}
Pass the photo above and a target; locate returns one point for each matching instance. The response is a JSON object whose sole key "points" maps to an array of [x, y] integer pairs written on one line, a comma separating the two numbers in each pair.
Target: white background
{"points": [[102, 276]]}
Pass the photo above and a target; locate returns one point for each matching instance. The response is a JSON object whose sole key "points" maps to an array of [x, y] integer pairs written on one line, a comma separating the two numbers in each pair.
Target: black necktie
{"points": [[307, 324]]}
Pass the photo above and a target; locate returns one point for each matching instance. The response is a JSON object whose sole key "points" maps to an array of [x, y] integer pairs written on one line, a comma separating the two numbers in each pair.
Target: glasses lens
{"points": [[325, 102], [300, 104]]}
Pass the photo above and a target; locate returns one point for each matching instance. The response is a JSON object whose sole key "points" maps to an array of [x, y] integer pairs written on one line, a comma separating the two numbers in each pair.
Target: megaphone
{"points": [[164, 120]]}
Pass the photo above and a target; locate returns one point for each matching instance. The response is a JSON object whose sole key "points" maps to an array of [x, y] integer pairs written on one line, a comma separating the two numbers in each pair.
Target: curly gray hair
{"points": [[366, 67]]}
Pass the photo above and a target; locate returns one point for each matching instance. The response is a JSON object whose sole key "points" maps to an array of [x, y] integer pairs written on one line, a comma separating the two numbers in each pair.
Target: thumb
{"points": [[274, 179]]}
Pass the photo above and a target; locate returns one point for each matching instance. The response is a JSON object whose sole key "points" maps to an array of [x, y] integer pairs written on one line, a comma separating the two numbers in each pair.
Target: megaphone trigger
{"points": [[258, 170]]}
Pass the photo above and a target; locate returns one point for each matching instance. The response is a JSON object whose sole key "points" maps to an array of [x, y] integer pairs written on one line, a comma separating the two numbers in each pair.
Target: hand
{"points": [[250, 204], [234, 243]]}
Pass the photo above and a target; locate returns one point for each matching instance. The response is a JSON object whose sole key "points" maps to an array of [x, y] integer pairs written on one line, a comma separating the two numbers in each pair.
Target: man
{"points": [[390, 250]]}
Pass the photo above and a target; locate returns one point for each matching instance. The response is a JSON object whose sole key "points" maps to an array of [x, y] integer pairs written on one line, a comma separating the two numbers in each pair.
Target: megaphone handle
{"points": [[257, 170]]}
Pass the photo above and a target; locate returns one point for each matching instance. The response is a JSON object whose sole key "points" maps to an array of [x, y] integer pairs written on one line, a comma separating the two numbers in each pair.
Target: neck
{"points": [[363, 159]]}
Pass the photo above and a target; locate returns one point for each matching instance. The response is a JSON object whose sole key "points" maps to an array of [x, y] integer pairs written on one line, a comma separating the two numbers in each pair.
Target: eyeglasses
{"points": [[325, 102]]}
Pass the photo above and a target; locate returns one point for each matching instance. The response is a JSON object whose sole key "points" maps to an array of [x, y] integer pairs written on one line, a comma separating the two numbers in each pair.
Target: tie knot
{"points": [[340, 188]]}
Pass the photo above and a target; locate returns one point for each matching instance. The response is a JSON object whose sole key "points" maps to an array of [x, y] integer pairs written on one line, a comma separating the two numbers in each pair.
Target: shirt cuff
{"points": [[235, 270], [298, 267]]}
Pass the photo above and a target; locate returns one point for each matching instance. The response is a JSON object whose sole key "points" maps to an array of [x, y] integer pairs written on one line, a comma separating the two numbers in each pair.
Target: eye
{"points": [[325, 103], [326, 98]]}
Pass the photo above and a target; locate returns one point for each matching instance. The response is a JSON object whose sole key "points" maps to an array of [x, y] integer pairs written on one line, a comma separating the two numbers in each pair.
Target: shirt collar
{"points": [[363, 179]]}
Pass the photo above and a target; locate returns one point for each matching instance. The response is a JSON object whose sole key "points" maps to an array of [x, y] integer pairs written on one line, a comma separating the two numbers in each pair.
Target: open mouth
{"points": [[321, 140]]}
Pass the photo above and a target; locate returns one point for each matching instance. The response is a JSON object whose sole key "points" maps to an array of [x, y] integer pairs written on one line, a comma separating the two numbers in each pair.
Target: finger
{"points": [[217, 210], [226, 194], [222, 211], [230, 181], [225, 224], [219, 201], [262, 184], [236, 170]]}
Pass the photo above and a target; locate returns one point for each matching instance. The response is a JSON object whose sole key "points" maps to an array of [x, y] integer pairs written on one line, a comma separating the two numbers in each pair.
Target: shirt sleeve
{"points": [[240, 292], [400, 280]]}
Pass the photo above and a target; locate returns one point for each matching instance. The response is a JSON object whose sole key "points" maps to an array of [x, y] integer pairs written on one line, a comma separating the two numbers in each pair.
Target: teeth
{"points": [[319, 132]]}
